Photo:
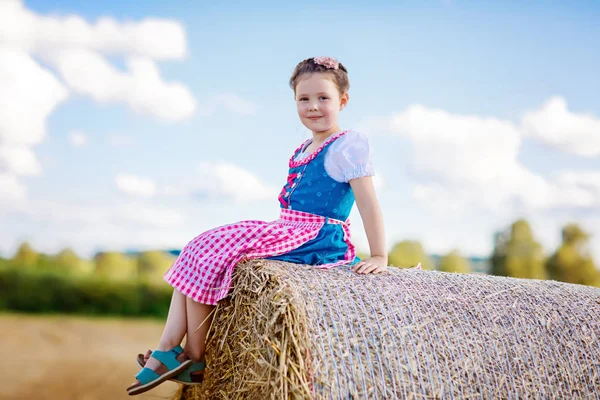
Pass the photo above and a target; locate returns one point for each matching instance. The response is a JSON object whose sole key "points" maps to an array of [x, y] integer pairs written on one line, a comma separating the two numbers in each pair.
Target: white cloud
{"points": [[462, 148], [28, 95], [466, 166], [87, 228], [463, 161], [157, 39], [76, 49], [19, 159], [220, 181], [228, 180], [142, 88], [10, 188], [461, 156], [77, 138], [554, 125], [134, 214], [135, 185]]}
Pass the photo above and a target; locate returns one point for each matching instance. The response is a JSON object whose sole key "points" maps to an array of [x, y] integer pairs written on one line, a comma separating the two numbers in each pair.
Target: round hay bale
{"points": [[290, 331]]}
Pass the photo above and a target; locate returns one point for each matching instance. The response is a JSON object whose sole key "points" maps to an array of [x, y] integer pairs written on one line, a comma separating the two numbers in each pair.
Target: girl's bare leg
{"points": [[197, 314], [175, 327]]}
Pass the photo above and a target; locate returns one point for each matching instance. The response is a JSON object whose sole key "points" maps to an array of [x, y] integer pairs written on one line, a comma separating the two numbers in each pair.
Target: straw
{"points": [[297, 332]]}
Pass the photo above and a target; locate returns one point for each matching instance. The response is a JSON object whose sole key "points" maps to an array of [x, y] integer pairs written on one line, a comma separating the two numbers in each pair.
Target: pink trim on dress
{"points": [[309, 158]]}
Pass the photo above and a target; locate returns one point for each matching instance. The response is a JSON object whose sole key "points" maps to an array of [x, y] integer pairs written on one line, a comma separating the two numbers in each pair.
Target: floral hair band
{"points": [[327, 62]]}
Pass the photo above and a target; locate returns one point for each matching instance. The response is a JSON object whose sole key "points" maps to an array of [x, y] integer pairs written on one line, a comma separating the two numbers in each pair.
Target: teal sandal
{"points": [[186, 377], [149, 379]]}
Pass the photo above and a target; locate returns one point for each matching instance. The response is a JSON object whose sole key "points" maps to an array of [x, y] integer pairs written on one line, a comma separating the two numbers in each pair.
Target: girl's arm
{"points": [[372, 218]]}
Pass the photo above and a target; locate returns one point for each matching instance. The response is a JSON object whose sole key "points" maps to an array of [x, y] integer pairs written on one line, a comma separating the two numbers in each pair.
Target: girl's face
{"points": [[319, 103]]}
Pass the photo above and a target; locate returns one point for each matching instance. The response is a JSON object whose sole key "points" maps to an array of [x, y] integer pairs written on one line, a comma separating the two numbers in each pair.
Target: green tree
{"points": [[455, 262], [518, 254], [67, 260], [26, 255], [408, 253], [45, 262], [151, 265], [115, 265], [572, 261]]}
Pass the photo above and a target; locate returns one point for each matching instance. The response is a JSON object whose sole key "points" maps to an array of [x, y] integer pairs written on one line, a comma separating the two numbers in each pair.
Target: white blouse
{"points": [[348, 157]]}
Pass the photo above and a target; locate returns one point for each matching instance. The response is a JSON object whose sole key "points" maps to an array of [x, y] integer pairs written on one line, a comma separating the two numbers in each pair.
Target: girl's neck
{"points": [[320, 137]]}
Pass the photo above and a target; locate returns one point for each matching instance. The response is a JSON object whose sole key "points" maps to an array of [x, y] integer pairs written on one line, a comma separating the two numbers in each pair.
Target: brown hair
{"points": [[308, 66]]}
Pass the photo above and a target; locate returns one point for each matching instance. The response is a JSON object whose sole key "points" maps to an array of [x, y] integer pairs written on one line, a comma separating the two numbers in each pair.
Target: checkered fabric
{"points": [[204, 268]]}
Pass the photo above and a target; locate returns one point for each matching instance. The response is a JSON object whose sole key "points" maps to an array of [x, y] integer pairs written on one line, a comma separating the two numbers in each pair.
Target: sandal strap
{"points": [[168, 358], [195, 367], [186, 375], [146, 375]]}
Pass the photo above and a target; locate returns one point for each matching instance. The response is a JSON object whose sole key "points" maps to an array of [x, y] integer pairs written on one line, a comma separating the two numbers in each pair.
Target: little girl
{"points": [[327, 174]]}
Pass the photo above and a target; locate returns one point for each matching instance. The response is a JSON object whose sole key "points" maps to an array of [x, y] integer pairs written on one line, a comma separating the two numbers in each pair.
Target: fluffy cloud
{"points": [[231, 181], [554, 125], [82, 216], [29, 95], [50, 225], [158, 39], [462, 157], [10, 188], [76, 50], [465, 149], [135, 186], [19, 159], [220, 180], [465, 166], [142, 88], [465, 160]]}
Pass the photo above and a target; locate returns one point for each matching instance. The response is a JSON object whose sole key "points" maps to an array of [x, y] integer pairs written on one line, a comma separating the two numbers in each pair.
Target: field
{"points": [[73, 358]]}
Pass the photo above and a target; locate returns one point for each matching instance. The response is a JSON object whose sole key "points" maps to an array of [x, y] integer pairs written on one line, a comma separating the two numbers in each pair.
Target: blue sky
{"points": [[478, 113]]}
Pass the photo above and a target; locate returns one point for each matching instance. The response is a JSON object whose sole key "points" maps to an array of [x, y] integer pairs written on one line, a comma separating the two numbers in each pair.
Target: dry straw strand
{"points": [[297, 332]]}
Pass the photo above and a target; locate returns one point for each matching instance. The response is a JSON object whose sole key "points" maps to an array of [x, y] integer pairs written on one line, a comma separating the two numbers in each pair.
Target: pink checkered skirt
{"points": [[204, 268]]}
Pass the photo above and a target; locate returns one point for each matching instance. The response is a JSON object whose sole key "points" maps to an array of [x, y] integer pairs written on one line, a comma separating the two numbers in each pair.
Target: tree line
{"points": [[516, 254]]}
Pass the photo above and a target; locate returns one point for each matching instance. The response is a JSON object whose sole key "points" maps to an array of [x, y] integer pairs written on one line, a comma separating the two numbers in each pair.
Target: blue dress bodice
{"points": [[309, 188]]}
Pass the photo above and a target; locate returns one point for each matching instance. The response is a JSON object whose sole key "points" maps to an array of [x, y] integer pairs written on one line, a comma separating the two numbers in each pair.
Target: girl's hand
{"points": [[373, 265]]}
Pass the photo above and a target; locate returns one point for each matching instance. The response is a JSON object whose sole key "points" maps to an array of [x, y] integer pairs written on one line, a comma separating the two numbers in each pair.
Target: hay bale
{"points": [[290, 331]]}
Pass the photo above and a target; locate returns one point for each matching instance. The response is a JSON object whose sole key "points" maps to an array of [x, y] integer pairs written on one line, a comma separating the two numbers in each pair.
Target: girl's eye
{"points": [[324, 98], [303, 99]]}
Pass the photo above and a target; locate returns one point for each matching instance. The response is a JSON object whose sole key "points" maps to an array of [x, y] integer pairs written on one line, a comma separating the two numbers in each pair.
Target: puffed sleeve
{"points": [[349, 157]]}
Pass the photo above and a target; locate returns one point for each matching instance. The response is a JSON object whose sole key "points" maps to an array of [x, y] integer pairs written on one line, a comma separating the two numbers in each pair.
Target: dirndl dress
{"points": [[313, 228]]}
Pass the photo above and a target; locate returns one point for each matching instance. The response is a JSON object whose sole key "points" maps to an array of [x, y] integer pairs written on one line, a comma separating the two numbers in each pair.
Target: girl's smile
{"points": [[319, 102]]}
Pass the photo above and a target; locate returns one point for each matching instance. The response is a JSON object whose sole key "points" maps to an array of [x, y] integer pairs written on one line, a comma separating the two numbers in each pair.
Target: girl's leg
{"points": [[197, 314], [175, 327], [195, 343]]}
